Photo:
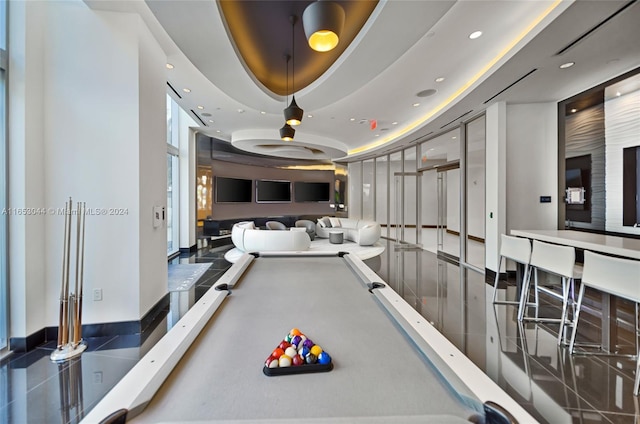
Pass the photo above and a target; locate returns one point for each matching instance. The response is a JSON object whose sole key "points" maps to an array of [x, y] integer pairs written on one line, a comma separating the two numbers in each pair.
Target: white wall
{"points": [[532, 166], [187, 181], [88, 121], [152, 168], [622, 129], [26, 168], [496, 182]]}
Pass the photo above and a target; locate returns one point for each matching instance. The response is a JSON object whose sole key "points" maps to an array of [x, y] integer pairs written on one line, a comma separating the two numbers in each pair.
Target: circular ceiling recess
{"points": [[303, 147]]}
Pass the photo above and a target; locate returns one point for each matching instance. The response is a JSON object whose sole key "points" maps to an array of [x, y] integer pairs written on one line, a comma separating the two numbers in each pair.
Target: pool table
{"points": [[389, 363]]}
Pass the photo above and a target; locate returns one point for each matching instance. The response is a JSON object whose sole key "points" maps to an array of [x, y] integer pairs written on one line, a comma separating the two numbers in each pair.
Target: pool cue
{"points": [[64, 289], [77, 327]]}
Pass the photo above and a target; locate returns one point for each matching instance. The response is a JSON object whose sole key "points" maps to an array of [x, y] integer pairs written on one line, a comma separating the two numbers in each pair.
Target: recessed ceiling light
{"points": [[454, 137], [416, 104], [567, 65], [574, 110], [377, 135], [200, 107], [439, 79], [240, 110], [217, 131], [169, 66], [432, 149], [262, 112], [394, 123], [475, 34], [309, 116], [211, 120], [186, 90], [352, 119], [427, 93], [618, 93]]}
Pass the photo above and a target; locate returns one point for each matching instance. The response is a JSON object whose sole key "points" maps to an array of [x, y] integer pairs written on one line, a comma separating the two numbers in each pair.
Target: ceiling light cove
{"points": [[461, 90]]}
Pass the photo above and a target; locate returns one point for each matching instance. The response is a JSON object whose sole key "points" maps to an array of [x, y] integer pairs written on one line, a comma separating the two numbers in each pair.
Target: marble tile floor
{"points": [[522, 358]]}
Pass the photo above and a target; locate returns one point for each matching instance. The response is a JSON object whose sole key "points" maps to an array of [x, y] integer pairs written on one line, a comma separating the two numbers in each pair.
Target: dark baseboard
{"points": [[192, 249], [47, 334]]}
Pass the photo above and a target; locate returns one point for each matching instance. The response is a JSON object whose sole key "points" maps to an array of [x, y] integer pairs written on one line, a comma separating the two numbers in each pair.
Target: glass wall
{"points": [[355, 190], [381, 188], [410, 206], [395, 195], [417, 194], [475, 204], [368, 189], [4, 304], [440, 166], [173, 186]]}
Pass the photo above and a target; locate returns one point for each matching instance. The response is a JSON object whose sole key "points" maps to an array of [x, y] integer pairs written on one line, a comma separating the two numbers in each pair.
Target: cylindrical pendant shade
{"points": [[287, 132], [293, 113], [323, 22]]}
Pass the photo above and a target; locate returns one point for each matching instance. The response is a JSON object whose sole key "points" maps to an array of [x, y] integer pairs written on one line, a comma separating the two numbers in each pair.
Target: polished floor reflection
{"points": [[524, 359]]}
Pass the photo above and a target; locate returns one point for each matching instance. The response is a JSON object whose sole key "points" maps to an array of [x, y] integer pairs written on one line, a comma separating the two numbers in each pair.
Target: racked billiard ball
{"points": [[284, 361], [310, 358], [324, 358]]}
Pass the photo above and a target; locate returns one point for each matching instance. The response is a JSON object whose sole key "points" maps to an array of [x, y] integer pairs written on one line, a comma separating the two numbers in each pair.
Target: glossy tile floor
{"points": [[523, 359]]}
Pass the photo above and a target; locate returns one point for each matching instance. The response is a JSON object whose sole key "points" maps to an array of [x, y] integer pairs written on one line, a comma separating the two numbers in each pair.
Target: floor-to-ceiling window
{"points": [[173, 198], [4, 304]]}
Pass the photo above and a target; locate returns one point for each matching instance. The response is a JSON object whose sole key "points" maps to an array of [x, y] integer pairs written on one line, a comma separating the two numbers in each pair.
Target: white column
{"points": [[495, 166]]}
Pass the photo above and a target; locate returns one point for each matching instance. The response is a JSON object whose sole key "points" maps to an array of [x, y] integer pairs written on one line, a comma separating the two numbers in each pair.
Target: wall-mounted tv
{"points": [[312, 191], [232, 190], [272, 191]]}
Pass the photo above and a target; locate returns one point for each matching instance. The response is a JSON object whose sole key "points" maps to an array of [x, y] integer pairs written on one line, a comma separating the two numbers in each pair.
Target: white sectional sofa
{"points": [[247, 238], [363, 232]]}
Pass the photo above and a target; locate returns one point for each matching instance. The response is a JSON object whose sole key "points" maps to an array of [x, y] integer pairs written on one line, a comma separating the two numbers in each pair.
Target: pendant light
{"points": [[323, 21], [293, 113], [287, 131]]}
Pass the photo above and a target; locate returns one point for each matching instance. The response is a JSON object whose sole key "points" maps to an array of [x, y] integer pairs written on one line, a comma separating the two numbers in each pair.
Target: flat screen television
{"points": [[312, 191], [232, 190], [573, 177], [272, 191]]}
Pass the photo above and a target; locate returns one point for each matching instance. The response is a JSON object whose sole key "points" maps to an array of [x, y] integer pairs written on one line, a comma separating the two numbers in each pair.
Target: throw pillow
{"points": [[321, 223], [327, 222], [335, 222]]}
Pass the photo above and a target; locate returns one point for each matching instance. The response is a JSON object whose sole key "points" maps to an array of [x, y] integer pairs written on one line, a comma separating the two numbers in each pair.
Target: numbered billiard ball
{"points": [[324, 358], [277, 352], [291, 352], [284, 345], [303, 351], [310, 358], [284, 361], [295, 341], [297, 360], [308, 343], [271, 362], [316, 350]]}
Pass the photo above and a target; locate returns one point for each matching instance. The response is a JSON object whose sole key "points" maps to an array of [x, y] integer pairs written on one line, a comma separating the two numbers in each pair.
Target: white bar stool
{"points": [[618, 277], [518, 250], [557, 260]]}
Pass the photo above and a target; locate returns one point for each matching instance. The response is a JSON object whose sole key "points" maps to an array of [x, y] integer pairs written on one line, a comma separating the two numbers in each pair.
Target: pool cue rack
{"points": [[70, 343]]}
